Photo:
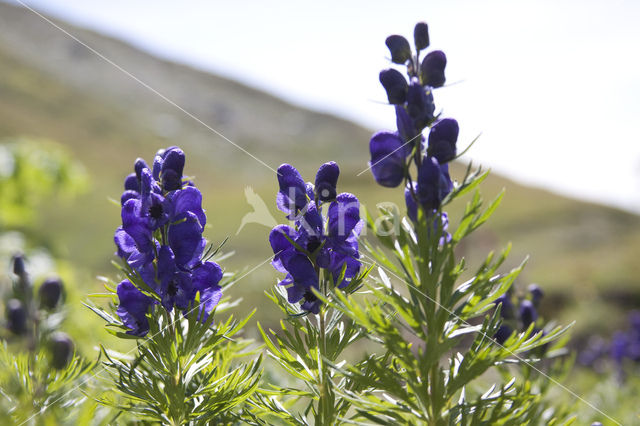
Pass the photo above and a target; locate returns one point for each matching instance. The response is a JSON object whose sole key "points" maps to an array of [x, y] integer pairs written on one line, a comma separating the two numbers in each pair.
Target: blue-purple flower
{"points": [[161, 241], [316, 242]]}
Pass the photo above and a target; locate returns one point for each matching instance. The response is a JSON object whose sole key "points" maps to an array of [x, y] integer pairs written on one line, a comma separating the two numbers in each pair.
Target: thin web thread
{"points": [[551, 379], [145, 85], [102, 369]]}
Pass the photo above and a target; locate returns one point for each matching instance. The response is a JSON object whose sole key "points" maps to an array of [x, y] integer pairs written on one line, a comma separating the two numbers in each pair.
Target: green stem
{"points": [[325, 407]]}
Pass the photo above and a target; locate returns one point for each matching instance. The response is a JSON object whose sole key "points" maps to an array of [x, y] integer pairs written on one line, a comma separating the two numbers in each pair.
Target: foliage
{"points": [[30, 171]]}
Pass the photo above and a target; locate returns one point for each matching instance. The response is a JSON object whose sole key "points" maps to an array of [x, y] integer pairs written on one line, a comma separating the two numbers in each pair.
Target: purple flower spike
{"points": [[395, 85], [388, 155], [399, 48], [442, 140], [432, 69], [326, 181]]}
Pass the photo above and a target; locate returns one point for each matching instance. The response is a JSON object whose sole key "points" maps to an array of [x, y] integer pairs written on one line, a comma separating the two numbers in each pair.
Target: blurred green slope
{"points": [[580, 253]]}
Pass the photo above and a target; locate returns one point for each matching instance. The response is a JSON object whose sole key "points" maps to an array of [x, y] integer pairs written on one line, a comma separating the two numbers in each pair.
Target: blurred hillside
{"points": [[50, 86]]}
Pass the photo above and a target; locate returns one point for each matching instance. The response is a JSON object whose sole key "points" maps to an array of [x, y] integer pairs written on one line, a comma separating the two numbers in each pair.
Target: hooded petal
{"points": [[132, 183], [395, 85], [420, 104], [344, 216], [136, 225], [432, 69], [133, 308], [388, 155], [301, 269], [326, 181], [293, 192], [442, 140], [188, 199], [172, 168], [433, 185], [185, 239]]}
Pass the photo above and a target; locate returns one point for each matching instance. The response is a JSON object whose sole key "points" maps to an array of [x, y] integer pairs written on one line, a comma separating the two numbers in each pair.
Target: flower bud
{"points": [[50, 293], [138, 166], [528, 313], [420, 105], [18, 265], [503, 333], [421, 35], [326, 181], [172, 168], [399, 48], [61, 347], [432, 69], [536, 293], [395, 84], [16, 317]]}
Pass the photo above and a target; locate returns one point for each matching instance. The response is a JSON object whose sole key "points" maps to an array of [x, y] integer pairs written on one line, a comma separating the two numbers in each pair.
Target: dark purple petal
{"points": [[412, 206], [442, 140], [209, 299], [326, 181], [293, 191], [301, 269], [432, 69], [185, 239], [421, 35], [503, 333], [128, 195], [420, 104], [132, 183], [188, 200], [432, 184], [136, 225], [157, 165], [138, 166], [295, 293], [388, 155], [395, 85], [406, 126], [399, 48], [311, 223], [172, 169], [133, 308], [206, 276], [125, 244], [528, 313], [343, 215], [338, 262]]}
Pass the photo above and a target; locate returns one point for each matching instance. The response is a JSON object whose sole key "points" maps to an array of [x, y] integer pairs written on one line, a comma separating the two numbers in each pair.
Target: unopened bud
{"points": [[421, 35], [61, 347], [50, 293], [16, 317], [399, 48]]}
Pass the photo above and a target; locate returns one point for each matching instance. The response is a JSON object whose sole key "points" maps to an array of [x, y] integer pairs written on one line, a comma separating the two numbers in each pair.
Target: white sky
{"points": [[554, 86]]}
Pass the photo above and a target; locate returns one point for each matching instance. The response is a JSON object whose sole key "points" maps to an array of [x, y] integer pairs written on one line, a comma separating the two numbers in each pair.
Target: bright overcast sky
{"points": [[553, 86]]}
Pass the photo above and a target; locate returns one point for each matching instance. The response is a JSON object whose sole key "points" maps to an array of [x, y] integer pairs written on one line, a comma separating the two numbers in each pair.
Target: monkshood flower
{"points": [[317, 242], [393, 153], [161, 241]]}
